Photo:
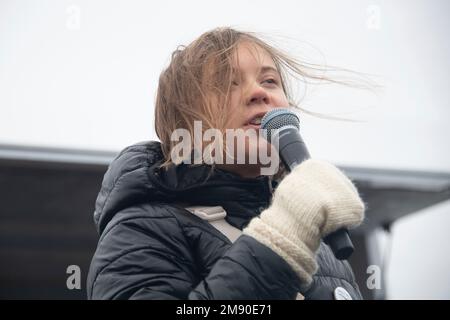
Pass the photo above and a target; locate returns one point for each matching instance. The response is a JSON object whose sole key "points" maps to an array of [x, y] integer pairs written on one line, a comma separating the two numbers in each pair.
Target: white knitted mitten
{"points": [[313, 200]]}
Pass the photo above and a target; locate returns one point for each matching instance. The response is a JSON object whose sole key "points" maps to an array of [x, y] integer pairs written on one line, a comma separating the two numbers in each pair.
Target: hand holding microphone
{"points": [[313, 201]]}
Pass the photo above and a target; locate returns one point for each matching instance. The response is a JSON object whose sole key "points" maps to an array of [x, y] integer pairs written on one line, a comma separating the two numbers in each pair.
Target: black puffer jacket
{"points": [[151, 248]]}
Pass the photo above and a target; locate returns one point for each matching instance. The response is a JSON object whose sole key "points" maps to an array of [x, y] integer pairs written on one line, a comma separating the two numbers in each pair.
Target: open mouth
{"points": [[255, 122]]}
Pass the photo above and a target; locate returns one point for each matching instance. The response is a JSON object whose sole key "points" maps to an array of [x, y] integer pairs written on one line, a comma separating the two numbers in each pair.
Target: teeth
{"points": [[256, 121]]}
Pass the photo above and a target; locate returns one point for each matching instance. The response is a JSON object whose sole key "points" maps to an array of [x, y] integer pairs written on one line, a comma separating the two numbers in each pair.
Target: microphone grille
{"points": [[276, 119]]}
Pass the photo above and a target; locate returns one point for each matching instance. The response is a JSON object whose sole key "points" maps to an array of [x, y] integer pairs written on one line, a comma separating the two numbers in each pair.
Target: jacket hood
{"points": [[135, 177]]}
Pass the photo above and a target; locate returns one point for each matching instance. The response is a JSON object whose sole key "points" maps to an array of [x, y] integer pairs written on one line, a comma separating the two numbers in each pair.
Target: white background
{"points": [[83, 74]]}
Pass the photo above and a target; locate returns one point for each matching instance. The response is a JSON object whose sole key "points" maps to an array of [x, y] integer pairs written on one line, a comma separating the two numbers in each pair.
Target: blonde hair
{"points": [[197, 83]]}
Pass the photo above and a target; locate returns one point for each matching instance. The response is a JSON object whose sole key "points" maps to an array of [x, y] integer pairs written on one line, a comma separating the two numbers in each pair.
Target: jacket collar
{"points": [[242, 198], [135, 176]]}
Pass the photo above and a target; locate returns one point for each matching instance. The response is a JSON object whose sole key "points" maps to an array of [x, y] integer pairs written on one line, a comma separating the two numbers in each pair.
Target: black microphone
{"points": [[286, 125]]}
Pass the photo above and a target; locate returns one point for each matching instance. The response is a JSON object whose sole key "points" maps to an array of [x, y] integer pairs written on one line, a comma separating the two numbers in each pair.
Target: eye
{"points": [[271, 81]]}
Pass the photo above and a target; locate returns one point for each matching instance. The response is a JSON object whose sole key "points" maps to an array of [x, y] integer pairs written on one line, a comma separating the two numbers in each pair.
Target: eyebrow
{"points": [[269, 68], [262, 70]]}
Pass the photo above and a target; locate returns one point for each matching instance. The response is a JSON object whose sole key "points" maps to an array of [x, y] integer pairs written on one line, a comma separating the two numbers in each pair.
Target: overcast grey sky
{"points": [[83, 74]]}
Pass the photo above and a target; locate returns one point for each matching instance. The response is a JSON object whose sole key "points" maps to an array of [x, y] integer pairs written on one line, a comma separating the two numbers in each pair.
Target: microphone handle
{"points": [[339, 240]]}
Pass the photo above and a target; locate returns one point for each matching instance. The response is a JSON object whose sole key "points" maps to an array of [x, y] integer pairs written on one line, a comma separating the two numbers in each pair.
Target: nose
{"points": [[257, 95]]}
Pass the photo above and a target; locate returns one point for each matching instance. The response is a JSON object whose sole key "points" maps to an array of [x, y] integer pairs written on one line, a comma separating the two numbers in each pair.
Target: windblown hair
{"points": [[197, 83]]}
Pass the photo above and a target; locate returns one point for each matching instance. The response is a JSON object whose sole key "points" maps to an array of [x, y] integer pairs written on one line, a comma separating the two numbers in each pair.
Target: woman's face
{"points": [[256, 90], [256, 87]]}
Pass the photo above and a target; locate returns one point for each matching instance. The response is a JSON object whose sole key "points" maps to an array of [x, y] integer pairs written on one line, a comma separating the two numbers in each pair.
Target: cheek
{"points": [[282, 100], [236, 99], [235, 114]]}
